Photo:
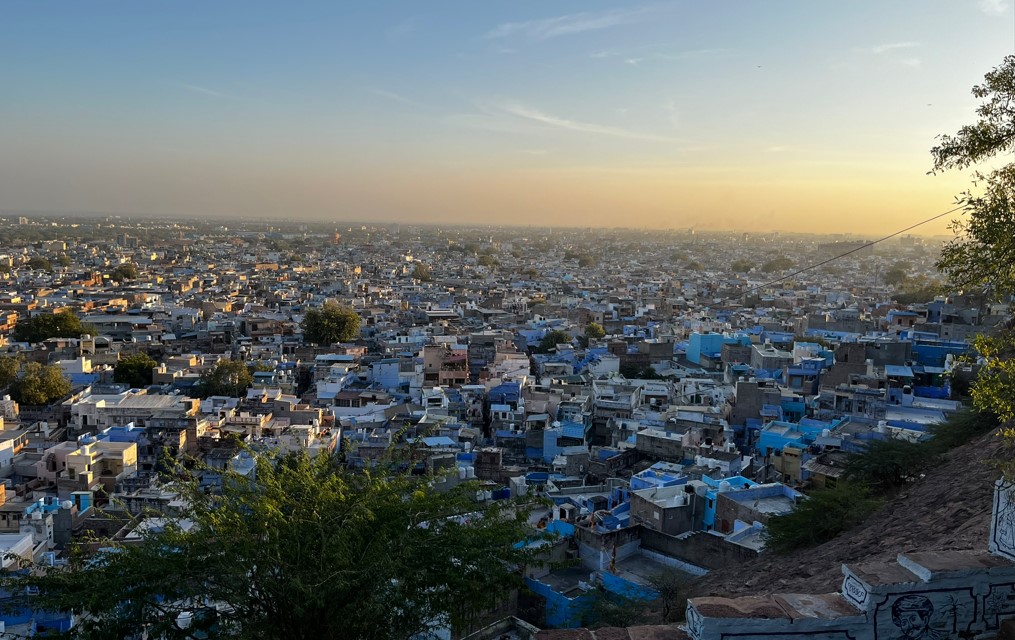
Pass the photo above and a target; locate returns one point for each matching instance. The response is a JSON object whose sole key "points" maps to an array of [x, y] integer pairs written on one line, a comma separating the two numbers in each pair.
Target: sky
{"points": [[774, 115]]}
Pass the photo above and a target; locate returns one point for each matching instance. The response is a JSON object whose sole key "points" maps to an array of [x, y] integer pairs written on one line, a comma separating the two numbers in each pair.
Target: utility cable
{"points": [[860, 248]]}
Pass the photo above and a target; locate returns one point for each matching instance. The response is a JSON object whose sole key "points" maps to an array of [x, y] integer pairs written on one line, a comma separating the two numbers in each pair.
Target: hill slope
{"points": [[949, 509]]}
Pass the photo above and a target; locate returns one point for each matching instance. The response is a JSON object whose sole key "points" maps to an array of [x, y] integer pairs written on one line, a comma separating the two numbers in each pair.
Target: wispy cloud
{"points": [[193, 88], [396, 97], [912, 63], [892, 46], [569, 24], [536, 116], [993, 7], [638, 55]]}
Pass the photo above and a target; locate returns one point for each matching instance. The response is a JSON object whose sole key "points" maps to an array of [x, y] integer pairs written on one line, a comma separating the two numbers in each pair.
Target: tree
{"points": [[982, 255], [897, 274], [300, 549], [422, 273], [135, 370], [552, 339], [889, 464], [9, 367], [777, 264], [602, 608], [65, 324], [38, 263], [39, 385], [226, 378], [673, 587], [64, 260], [594, 331], [126, 271], [487, 260], [823, 515], [741, 266], [330, 324]]}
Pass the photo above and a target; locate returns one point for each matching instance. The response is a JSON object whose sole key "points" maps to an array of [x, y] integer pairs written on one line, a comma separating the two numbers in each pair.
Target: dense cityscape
{"points": [[581, 320], [661, 395]]}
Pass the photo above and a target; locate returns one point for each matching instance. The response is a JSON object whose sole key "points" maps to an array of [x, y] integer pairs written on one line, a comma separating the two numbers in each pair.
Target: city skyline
{"points": [[791, 116]]}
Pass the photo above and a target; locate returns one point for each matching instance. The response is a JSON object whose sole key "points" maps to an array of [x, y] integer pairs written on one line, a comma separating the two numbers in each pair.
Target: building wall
{"points": [[702, 549]]}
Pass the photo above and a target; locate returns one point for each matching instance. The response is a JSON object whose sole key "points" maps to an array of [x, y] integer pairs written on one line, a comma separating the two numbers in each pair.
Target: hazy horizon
{"points": [[793, 116]]}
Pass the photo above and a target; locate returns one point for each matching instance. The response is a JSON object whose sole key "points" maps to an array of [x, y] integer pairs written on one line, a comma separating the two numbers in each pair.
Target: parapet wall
{"points": [[922, 596]]}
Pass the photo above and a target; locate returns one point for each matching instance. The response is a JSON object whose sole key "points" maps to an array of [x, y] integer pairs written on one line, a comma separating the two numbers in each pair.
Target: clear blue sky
{"points": [[804, 114]]}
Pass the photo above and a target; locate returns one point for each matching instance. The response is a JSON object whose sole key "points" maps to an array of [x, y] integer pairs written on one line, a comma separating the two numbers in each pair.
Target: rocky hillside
{"points": [[949, 509]]}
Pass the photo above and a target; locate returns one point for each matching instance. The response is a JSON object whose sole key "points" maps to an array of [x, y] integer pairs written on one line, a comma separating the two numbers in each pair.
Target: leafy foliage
{"points": [[135, 370], [552, 339], [9, 367], [960, 428], [38, 263], [673, 587], [65, 324], [983, 253], [330, 324], [422, 273], [39, 385], [819, 518], [302, 550], [889, 464], [897, 274], [777, 264], [226, 378], [126, 271], [741, 266], [607, 609], [594, 331], [994, 389]]}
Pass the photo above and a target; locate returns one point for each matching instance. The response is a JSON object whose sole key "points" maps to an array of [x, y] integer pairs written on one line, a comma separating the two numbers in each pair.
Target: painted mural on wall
{"points": [[1002, 526], [928, 615]]}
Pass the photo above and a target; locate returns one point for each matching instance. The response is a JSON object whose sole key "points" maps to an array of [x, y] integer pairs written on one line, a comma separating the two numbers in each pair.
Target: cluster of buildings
{"points": [[715, 393]]}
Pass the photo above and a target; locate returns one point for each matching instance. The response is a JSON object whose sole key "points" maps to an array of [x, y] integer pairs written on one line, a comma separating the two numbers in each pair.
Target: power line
{"points": [[861, 248]]}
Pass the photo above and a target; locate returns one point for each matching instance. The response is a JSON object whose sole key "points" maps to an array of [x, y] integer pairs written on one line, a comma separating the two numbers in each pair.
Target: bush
{"points": [[822, 516], [889, 464]]}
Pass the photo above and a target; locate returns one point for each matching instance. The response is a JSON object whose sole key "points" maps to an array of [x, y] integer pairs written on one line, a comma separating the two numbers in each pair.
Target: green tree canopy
{"points": [[889, 464], [38, 263], [126, 271], [9, 367], [982, 255], [741, 266], [777, 264], [40, 385], [552, 339], [594, 331], [135, 370], [422, 273], [300, 550], [65, 324], [330, 324], [226, 378], [822, 516], [896, 274]]}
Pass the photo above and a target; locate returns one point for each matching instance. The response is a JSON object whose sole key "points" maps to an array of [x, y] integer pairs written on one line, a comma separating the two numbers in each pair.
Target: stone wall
{"points": [[700, 548], [922, 596]]}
